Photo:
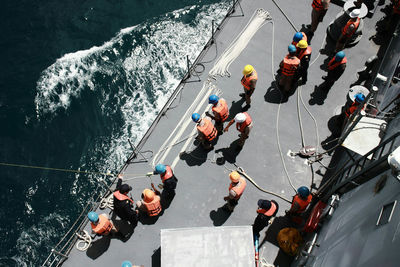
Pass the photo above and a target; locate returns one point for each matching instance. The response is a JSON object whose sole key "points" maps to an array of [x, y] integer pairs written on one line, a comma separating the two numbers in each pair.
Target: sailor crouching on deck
{"points": [[100, 224], [236, 189], [220, 112], [123, 205], [206, 131], [167, 178], [244, 124], [289, 67], [151, 203]]}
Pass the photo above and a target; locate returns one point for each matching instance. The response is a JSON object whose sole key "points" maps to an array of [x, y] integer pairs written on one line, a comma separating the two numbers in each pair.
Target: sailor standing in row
{"points": [[303, 52], [236, 189], [206, 131], [123, 205], [244, 124], [248, 81], [220, 112], [289, 67]]}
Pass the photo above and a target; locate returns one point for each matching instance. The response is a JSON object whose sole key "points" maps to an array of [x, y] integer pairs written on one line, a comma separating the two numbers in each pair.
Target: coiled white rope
{"points": [[258, 19], [85, 241], [107, 202]]}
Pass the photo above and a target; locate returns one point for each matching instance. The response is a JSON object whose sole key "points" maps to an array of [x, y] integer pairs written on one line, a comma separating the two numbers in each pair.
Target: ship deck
{"points": [[203, 177]]}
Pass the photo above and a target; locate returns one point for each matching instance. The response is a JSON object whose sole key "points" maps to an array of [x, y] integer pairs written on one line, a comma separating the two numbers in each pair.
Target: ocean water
{"points": [[77, 79]]}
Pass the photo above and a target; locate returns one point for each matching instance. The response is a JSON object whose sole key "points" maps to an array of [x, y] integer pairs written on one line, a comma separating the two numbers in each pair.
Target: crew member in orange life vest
{"points": [[266, 210], [348, 30], [123, 205], [289, 67], [336, 67], [220, 112], [303, 52], [100, 224], [151, 203], [206, 131], [319, 9], [167, 178], [236, 189], [244, 124], [248, 81], [300, 201]]}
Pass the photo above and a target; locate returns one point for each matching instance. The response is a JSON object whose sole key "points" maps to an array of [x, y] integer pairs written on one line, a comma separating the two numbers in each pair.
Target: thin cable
{"points": [[55, 169], [287, 18], [279, 108], [299, 118]]}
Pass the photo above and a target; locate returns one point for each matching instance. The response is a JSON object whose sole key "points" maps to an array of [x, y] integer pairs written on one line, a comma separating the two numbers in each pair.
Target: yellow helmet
{"points": [[302, 44], [248, 69], [148, 195], [234, 176]]}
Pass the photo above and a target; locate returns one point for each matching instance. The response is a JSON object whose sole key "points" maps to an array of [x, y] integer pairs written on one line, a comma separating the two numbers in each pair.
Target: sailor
{"points": [[100, 224], [248, 81], [167, 178], [123, 205], [244, 124], [220, 112], [289, 66], [151, 202], [206, 131], [236, 189], [303, 53], [319, 9], [358, 100], [336, 67], [266, 210], [348, 30], [300, 201], [298, 36]]}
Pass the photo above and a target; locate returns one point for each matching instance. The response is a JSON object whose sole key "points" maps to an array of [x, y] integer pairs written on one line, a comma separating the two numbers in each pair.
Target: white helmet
{"points": [[240, 117], [355, 13]]}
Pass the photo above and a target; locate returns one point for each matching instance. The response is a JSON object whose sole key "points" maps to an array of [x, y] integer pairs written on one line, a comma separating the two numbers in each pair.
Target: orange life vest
{"points": [[350, 22], [221, 109], [350, 110], [103, 226], [121, 197], [247, 79], [334, 64], [290, 65], [168, 174], [238, 188], [153, 207], [302, 203], [304, 52], [317, 5], [241, 126], [207, 129], [269, 212], [396, 7], [304, 38]]}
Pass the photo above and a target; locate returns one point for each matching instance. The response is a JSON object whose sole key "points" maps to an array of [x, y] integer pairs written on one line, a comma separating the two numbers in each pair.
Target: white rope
{"points": [[107, 202], [85, 241], [258, 19]]}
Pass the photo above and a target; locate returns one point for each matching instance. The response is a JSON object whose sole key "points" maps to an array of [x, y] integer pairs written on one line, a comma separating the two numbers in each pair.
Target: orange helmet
{"points": [[234, 176], [148, 195]]}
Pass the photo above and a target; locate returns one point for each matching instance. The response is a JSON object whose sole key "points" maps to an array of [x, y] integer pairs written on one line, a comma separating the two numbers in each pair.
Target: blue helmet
{"points": [[297, 37], [195, 117], [93, 217], [303, 191], [292, 49], [213, 99], [359, 98], [126, 264], [339, 56], [160, 168]]}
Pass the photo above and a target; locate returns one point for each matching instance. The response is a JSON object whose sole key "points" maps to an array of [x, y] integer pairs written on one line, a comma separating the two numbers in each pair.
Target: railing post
{"points": [[212, 31], [188, 65]]}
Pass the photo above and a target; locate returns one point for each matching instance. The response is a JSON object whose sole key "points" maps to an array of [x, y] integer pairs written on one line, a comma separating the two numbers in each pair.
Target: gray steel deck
{"points": [[203, 183]]}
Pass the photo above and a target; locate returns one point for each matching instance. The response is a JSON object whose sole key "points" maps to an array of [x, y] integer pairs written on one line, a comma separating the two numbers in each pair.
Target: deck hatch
{"points": [[386, 213]]}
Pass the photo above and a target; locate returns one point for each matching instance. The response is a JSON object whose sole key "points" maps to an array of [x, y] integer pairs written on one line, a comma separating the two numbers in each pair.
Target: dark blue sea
{"points": [[77, 80]]}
